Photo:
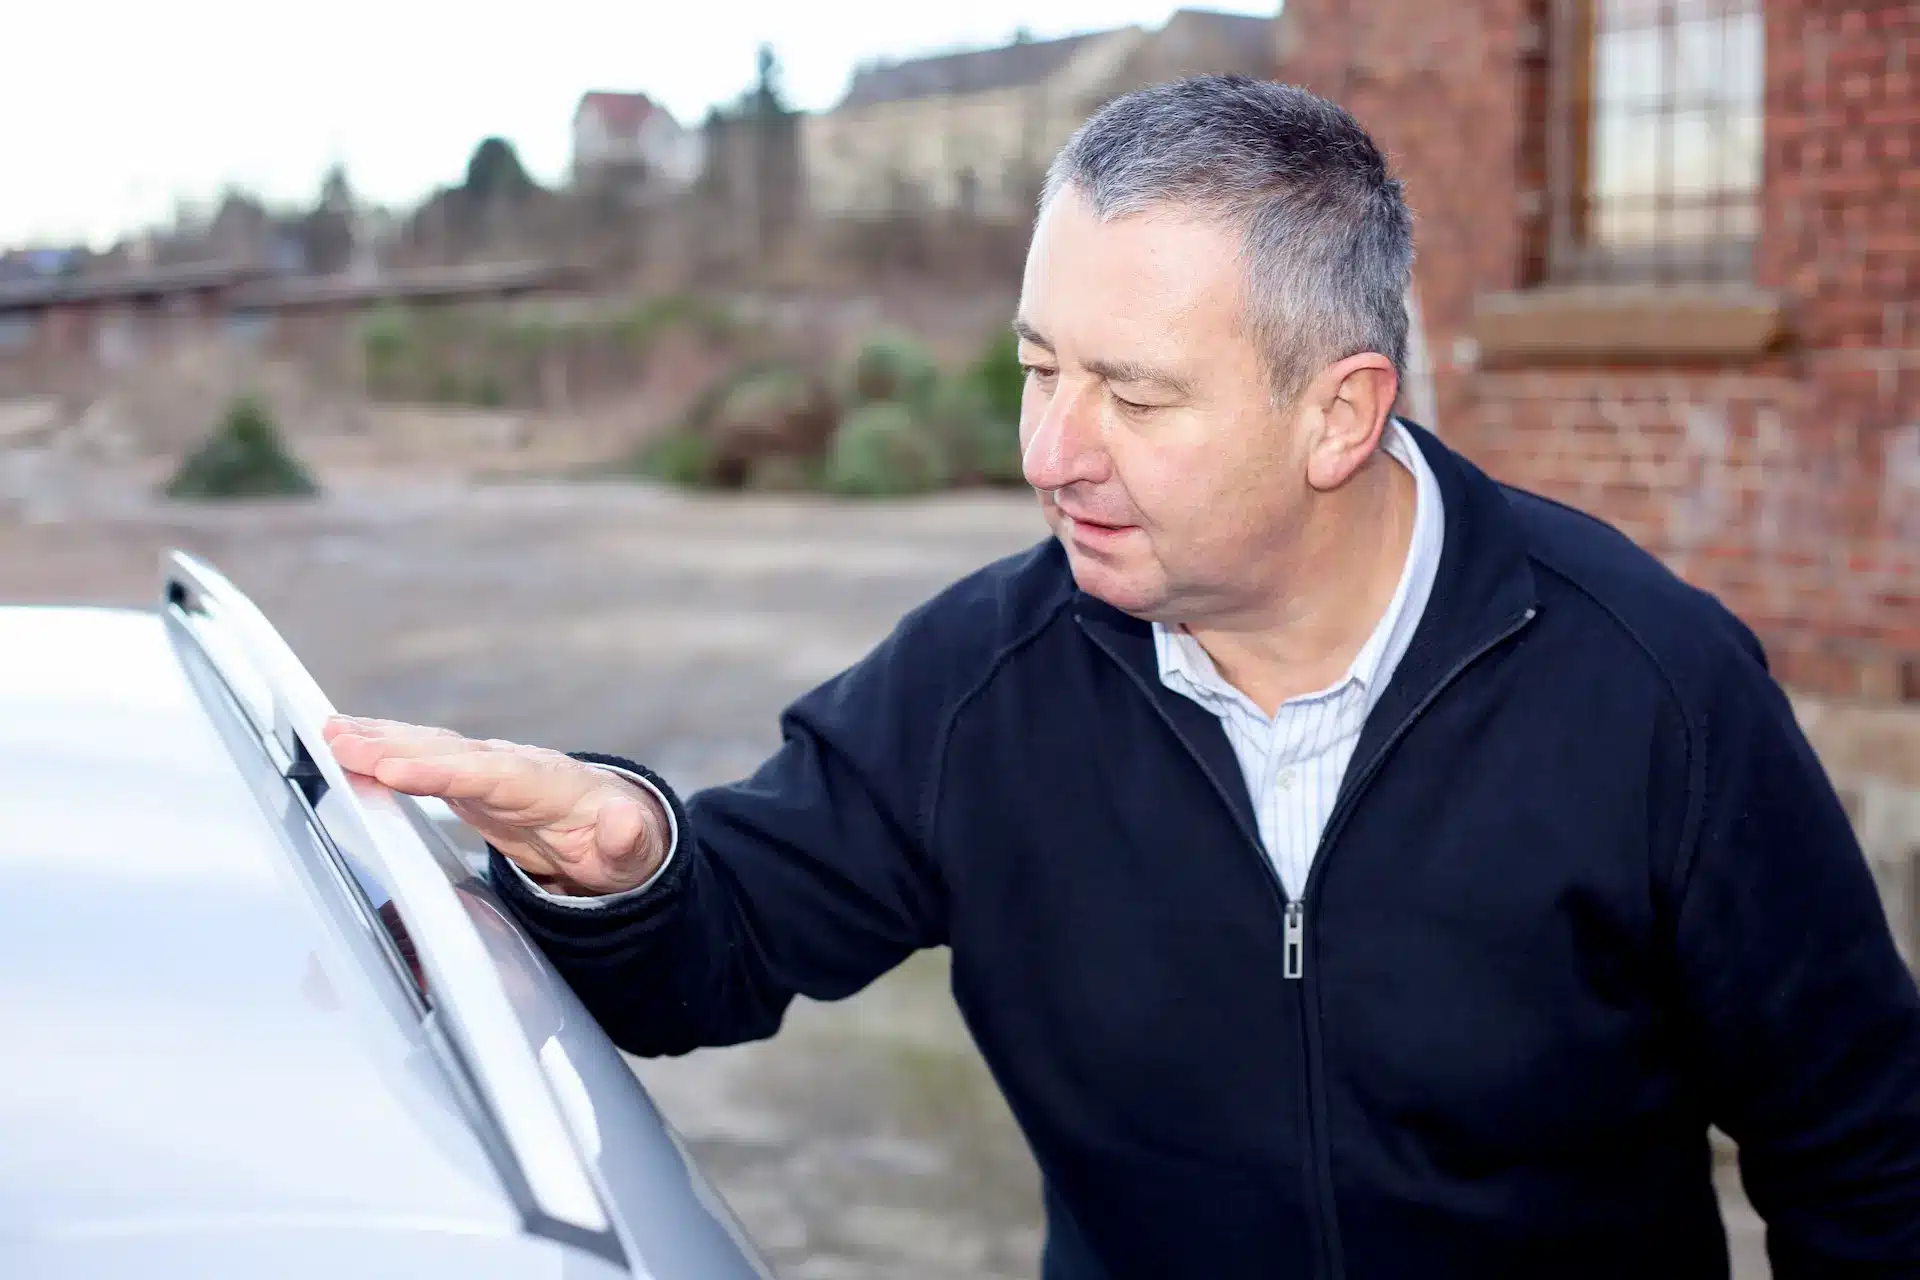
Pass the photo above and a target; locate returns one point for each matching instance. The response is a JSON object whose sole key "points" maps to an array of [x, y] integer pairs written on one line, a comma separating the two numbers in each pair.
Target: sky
{"points": [[113, 112]]}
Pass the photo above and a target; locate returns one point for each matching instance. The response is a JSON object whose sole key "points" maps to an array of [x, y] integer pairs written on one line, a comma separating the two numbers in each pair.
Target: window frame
{"points": [[1572, 254]]}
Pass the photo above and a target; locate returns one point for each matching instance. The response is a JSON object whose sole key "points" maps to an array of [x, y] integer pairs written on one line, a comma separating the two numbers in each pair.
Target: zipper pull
{"points": [[1296, 937]]}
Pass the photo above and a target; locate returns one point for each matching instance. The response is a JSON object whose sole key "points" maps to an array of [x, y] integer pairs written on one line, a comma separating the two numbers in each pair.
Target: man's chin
{"points": [[1128, 587]]}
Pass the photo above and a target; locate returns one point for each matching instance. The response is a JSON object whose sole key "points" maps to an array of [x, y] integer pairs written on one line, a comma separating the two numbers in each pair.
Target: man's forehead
{"points": [[1131, 289]]}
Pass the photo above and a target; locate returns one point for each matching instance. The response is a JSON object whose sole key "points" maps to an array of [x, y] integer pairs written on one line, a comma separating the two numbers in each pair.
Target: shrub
{"points": [[680, 457], [637, 328], [779, 412], [706, 406], [762, 403], [1000, 377], [738, 428], [387, 339], [785, 473], [984, 447], [882, 449], [243, 458], [893, 367]]}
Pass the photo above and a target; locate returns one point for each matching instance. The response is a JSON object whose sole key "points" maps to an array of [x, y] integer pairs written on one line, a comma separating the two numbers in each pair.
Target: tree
{"points": [[336, 193], [495, 171], [243, 458], [326, 233], [766, 99]]}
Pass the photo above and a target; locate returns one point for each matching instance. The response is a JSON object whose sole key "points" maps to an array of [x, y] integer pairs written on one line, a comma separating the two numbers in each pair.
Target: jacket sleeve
{"points": [[1808, 1019], [809, 878]]}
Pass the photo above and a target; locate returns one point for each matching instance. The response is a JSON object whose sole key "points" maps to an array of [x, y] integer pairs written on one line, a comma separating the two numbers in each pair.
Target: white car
{"points": [[259, 1018]]}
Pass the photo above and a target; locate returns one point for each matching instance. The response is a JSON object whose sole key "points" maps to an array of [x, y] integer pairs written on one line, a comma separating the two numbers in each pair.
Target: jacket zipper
{"points": [[1292, 914], [1297, 938], [1343, 805], [1294, 918]]}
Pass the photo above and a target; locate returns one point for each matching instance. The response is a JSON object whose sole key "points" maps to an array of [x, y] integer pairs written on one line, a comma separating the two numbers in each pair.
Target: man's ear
{"points": [[1350, 401]]}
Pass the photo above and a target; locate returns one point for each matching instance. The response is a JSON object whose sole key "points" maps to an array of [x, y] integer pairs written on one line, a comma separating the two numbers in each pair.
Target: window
{"points": [[1656, 140]]}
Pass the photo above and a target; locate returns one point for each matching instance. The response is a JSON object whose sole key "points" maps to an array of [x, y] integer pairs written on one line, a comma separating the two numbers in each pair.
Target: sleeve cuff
{"points": [[602, 902]]}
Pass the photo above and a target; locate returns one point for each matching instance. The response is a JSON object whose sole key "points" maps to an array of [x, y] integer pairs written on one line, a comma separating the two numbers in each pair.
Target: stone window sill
{"points": [[1626, 324]]}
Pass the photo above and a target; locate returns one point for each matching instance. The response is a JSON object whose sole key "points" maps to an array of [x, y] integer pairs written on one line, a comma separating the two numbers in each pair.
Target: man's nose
{"points": [[1066, 447]]}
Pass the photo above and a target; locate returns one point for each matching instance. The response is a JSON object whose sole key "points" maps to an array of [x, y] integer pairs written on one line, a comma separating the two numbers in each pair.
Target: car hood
{"points": [[184, 1044]]}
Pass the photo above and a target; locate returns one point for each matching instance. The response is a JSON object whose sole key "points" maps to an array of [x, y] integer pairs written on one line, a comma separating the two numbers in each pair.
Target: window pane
{"points": [[1702, 61], [1624, 15], [1626, 222], [1742, 222], [1690, 10], [1627, 159], [1744, 66], [1741, 152], [1696, 164], [1693, 221], [1631, 70], [1719, 60]]}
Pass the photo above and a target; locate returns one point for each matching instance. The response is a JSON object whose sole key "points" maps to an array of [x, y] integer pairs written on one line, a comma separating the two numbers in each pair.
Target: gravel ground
{"points": [[866, 1141]]}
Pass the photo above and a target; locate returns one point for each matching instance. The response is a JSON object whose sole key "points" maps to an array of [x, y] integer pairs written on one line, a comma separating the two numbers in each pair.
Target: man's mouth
{"points": [[1097, 530], [1087, 521]]}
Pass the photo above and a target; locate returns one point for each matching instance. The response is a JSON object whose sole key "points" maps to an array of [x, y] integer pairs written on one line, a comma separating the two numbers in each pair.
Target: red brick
{"points": [[1788, 514]]}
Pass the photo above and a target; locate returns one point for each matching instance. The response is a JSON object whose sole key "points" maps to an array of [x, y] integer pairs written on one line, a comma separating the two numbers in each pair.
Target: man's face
{"points": [[1148, 425]]}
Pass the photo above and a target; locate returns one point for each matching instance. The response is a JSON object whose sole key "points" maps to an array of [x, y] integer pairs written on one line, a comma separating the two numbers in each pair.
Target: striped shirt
{"points": [[1294, 760]]}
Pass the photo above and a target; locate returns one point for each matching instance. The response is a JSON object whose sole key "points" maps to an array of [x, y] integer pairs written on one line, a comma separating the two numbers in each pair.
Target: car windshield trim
{"points": [[379, 851]]}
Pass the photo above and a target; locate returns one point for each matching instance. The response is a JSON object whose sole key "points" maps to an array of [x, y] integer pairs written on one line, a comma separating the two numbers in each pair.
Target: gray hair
{"points": [[1328, 238]]}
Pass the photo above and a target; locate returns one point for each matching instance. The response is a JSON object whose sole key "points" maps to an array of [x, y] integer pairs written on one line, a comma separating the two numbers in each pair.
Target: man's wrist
{"points": [[660, 828], [654, 843]]}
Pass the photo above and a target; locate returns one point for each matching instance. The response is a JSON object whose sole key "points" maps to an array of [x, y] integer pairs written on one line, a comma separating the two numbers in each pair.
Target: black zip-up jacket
{"points": [[1585, 891]]}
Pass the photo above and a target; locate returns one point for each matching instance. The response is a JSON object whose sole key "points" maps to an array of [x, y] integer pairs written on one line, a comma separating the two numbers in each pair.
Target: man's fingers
{"points": [[362, 748], [384, 730], [506, 783], [363, 755]]}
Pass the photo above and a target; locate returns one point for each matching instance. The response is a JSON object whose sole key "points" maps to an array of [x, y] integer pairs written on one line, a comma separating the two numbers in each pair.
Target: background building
{"points": [[971, 132], [1668, 263], [630, 137]]}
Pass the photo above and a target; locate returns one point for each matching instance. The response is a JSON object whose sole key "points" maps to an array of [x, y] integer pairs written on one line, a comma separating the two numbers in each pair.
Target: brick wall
{"points": [[1789, 483]]}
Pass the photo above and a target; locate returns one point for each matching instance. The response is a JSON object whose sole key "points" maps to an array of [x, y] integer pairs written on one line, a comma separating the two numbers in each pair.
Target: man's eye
{"points": [[1132, 406], [1037, 371]]}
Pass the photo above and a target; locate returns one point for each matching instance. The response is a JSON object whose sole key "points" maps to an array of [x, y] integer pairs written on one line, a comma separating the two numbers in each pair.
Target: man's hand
{"points": [[572, 828]]}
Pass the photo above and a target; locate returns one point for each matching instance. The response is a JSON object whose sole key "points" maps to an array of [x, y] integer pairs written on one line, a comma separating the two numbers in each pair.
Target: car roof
{"points": [[188, 1041]]}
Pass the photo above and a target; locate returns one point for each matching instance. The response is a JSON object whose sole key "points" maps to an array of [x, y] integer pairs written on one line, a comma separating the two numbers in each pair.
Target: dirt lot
{"points": [[867, 1141]]}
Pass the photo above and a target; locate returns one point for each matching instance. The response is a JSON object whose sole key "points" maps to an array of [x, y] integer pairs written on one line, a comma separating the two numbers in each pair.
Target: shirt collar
{"points": [[1186, 666]]}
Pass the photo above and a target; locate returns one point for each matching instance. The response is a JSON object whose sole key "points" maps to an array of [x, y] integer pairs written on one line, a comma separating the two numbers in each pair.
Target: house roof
{"points": [[1195, 40], [973, 71], [621, 113], [1250, 25]]}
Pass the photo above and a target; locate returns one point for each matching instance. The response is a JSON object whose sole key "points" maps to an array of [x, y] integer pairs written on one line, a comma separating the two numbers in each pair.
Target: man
{"points": [[1351, 867]]}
